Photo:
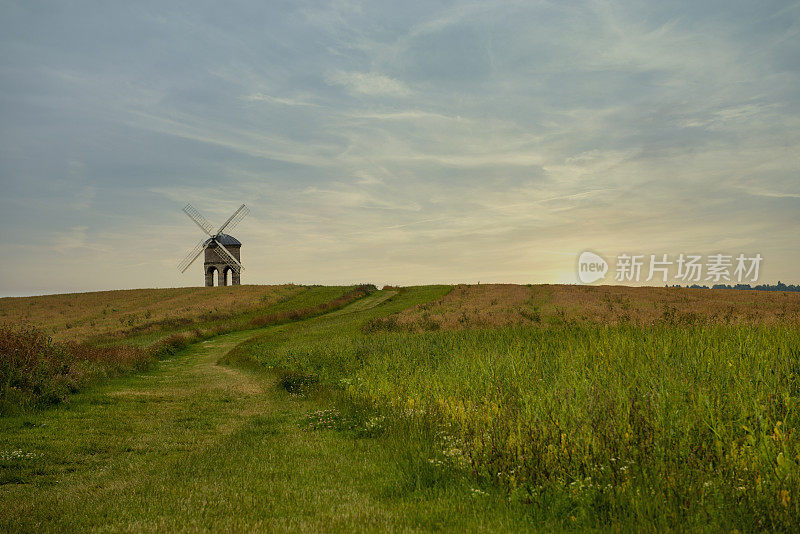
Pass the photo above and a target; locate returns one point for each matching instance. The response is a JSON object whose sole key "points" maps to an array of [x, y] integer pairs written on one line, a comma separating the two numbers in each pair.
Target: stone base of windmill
{"points": [[225, 273]]}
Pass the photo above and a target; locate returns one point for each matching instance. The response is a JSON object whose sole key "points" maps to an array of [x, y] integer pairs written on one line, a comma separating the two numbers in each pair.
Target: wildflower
{"points": [[18, 455]]}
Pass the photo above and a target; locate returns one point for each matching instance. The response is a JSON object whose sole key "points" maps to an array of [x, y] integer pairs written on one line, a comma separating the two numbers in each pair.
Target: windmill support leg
{"points": [[235, 280]]}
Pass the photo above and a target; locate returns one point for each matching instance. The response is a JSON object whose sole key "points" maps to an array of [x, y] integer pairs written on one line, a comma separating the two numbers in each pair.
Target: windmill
{"points": [[222, 251]]}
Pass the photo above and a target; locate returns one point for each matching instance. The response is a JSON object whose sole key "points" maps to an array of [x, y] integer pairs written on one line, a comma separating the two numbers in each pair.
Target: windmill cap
{"points": [[225, 240]]}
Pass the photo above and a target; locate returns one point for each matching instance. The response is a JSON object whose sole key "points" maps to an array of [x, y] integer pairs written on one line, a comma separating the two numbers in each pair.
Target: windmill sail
{"points": [[225, 255], [198, 219], [234, 219], [192, 255]]}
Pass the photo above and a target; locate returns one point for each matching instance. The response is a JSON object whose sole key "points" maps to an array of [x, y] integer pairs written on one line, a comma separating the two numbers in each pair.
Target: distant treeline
{"points": [[780, 286]]}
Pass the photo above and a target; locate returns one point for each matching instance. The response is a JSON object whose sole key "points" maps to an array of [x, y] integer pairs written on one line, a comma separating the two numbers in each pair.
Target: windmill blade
{"points": [[198, 219], [227, 257], [193, 255], [234, 219]]}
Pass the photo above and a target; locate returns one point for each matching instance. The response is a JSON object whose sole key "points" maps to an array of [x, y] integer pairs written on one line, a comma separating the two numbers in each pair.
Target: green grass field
{"points": [[426, 409]]}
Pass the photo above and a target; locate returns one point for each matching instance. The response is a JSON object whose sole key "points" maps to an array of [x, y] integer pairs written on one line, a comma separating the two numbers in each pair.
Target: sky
{"points": [[394, 142]]}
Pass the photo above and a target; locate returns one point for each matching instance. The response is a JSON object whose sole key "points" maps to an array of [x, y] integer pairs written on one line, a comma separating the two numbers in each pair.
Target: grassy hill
{"points": [[130, 313], [106, 334], [498, 305], [80, 316], [640, 408], [484, 407]]}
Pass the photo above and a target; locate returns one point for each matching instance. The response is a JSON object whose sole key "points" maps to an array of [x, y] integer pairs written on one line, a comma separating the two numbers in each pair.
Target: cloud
{"points": [[349, 197], [261, 97], [250, 142], [368, 83], [406, 115], [84, 197], [67, 241], [767, 193]]}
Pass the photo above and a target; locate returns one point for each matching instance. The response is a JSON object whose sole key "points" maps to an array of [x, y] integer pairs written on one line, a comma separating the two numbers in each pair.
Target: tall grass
{"points": [[35, 371], [662, 426]]}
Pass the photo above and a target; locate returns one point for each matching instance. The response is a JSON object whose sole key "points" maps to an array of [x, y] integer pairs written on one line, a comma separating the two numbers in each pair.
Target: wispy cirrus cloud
{"points": [[71, 239], [261, 97], [368, 83]]}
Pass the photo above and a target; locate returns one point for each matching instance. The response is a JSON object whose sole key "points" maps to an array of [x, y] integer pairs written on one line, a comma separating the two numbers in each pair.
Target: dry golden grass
{"points": [[648, 305], [79, 316], [493, 305], [468, 306]]}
